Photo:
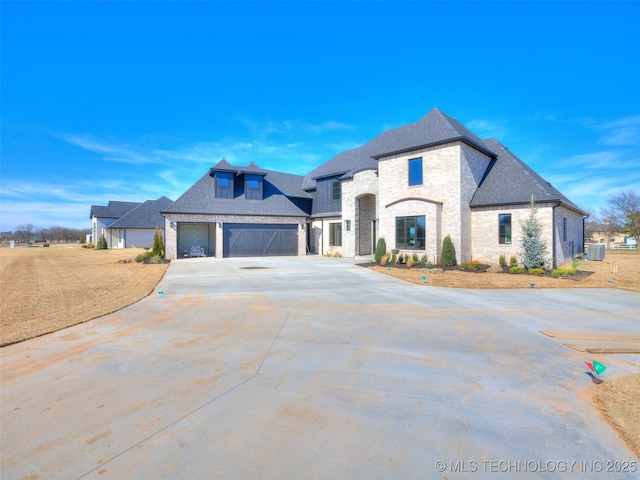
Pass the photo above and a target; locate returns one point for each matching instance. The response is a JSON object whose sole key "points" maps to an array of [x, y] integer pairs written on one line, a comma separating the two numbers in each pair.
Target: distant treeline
{"points": [[32, 233]]}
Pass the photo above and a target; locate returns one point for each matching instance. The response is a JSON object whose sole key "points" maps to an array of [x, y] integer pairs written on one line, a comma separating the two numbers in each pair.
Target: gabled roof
{"points": [[115, 209], [146, 215], [510, 181], [435, 128], [282, 192]]}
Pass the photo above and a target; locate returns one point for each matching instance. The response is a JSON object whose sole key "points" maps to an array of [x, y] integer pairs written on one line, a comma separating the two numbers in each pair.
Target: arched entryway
{"points": [[365, 221]]}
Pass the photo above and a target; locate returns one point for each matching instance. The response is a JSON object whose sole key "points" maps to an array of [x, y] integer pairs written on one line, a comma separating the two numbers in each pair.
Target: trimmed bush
{"points": [[471, 266], [513, 261], [536, 271], [102, 243], [502, 260], [424, 260], [516, 269], [381, 249], [158, 244], [562, 272], [448, 257], [415, 258]]}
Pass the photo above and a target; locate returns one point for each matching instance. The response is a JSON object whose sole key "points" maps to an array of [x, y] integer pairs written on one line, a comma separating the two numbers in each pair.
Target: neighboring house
{"points": [[239, 211], [137, 227], [412, 185], [101, 217], [595, 232], [128, 224]]}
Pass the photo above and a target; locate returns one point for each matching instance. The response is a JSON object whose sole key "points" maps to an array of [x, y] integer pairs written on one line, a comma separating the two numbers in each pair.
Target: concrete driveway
{"points": [[316, 368]]}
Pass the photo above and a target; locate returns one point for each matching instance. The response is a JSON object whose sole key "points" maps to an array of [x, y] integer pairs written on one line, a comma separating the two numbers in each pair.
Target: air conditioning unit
{"points": [[596, 252]]}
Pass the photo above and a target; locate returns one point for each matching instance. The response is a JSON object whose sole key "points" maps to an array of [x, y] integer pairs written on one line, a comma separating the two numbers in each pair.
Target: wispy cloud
{"points": [[488, 128], [621, 132]]}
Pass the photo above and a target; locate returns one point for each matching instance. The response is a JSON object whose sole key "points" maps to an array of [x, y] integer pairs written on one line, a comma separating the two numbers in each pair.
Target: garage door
{"points": [[190, 234], [247, 240]]}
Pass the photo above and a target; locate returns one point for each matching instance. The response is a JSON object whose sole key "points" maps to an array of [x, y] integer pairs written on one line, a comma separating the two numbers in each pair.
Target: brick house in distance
{"points": [[412, 185]]}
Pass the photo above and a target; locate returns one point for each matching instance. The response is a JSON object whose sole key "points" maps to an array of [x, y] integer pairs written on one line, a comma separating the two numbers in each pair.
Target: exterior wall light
{"points": [[347, 225]]}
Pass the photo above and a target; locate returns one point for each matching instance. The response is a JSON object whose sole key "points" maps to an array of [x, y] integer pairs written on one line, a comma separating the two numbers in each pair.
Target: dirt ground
{"points": [[602, 275], [46, 289]]}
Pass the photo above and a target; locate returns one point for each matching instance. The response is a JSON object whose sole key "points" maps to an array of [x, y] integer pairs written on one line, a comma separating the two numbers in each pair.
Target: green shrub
{"points": [[155, 258], [102, 243], [574, 264], [90, 245], [394, 258], [471, 266], [401, 258], [516, 269], [448, 257], [513, 261], [396, 251], [158, 244], [381, 249], [536, 271], [502, 260], [415, 258], [424, 260], [562, 272], [142, 257]]}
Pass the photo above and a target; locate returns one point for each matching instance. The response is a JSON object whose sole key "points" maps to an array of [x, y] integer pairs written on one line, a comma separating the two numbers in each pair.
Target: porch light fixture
{"points": [[347, 225]]}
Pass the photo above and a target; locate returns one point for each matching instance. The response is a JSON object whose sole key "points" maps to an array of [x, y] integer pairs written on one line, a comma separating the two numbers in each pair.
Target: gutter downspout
{"points": [[553, 232]]}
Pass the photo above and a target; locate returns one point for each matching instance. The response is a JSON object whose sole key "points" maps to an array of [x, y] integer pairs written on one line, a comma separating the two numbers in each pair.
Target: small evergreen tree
{"points": [[448, 256], [158, 244], [102, 243], [381, 249], [533, 247]]}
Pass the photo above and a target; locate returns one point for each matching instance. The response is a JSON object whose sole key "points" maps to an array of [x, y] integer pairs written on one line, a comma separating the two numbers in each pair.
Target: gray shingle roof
{"points": [[433, 129], [115, 209], [146, 215], [282, 194], [510, 181]]}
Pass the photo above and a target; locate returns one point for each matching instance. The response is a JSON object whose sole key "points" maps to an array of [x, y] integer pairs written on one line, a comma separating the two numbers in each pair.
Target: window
{"points": [[335, 234], [415, 171], [253, 189], [224, 185], [410, 232], [504, 234], [564, 229], [337, 190]]}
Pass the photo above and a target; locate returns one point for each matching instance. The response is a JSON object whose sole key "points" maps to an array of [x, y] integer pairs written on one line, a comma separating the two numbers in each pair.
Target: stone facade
{"points": [[451, 175], [359, 209]]}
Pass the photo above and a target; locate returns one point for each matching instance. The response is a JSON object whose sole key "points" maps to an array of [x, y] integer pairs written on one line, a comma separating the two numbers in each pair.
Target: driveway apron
{"points": [[316, 367]]}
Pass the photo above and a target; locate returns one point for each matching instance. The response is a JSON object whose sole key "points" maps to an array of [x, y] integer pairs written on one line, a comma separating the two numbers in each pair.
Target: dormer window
{"points": [[224, 185], [253, 187]]}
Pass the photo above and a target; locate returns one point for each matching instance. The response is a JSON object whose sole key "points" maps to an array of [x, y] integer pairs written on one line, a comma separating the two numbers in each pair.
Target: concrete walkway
{"points": [[316, 368]]}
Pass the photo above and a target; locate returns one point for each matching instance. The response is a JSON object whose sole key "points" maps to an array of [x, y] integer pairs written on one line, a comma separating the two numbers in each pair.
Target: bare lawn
{"points": [[46, 289]]}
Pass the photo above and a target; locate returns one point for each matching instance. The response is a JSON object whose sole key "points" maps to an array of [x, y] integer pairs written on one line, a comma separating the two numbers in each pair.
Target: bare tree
{"points": [[624, 211], [25, 232]]}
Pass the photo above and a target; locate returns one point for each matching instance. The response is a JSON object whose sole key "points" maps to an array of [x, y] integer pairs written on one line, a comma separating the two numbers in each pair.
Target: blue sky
{"points": [[134, 100]]}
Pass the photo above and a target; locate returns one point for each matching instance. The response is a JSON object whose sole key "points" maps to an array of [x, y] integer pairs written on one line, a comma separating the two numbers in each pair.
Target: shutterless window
{"points": [[564, 229], [415, 171], [335, 234], [504, 234], [337, 190], [410, 232]]}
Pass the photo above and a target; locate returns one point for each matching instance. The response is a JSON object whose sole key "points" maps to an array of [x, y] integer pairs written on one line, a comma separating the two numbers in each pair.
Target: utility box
{"points": [[596, 252]]}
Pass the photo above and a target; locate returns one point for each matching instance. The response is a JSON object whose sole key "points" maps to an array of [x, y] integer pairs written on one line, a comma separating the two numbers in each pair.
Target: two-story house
{"points": [[412, 185]]}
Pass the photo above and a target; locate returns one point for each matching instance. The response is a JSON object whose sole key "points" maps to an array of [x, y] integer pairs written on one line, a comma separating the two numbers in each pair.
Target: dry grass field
{"points": [[46, 289]]}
